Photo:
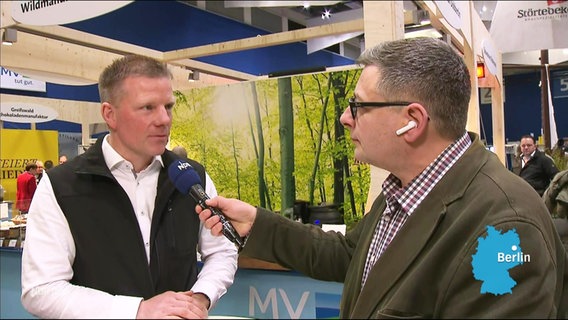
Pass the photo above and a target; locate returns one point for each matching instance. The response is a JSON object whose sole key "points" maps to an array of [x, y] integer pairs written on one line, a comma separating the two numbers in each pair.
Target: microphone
{"points": [[186, 180]]}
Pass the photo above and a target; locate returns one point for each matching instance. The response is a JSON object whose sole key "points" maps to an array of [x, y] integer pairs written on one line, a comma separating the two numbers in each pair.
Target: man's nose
{"points": [[164, 114]]}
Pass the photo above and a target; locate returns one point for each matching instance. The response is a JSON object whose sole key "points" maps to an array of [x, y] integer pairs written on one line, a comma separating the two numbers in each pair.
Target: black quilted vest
{"points": [[110, 254]]}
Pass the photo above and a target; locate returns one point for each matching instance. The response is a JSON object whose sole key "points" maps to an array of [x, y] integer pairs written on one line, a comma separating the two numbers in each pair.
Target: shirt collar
{"points": [[409, 197], [113, 159]]}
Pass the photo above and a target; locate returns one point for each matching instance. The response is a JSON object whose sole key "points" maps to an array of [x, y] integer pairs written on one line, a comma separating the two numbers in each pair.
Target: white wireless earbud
{"points": [[411, 124]]}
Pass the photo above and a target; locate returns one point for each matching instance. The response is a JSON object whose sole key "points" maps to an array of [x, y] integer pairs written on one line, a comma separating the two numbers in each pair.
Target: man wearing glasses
{"points": [[432, 243]]}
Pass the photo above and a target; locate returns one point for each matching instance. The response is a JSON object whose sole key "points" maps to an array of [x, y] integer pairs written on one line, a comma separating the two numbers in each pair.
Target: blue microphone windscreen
{"points": [[183, 176]]}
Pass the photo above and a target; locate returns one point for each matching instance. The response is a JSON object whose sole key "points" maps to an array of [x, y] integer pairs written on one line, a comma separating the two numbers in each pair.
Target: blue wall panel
{"points": [[522, 105], [171, 25], [88, 93]]}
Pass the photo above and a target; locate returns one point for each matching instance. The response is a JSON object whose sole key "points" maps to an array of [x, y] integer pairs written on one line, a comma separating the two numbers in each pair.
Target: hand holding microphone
{"points": [[241, 214], [186, 180]]}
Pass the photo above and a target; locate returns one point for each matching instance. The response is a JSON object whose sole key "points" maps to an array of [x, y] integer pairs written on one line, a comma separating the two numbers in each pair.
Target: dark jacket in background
{"points": [[538, 171], [556, 195], [556, 200], [110, 252]]}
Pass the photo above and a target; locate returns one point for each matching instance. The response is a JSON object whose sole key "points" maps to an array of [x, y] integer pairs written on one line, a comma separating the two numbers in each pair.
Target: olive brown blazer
{"points": [[426, 272]]}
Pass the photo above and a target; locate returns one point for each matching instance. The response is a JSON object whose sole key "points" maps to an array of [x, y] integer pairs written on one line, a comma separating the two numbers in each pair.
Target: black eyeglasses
{"points": [[354, 105]]}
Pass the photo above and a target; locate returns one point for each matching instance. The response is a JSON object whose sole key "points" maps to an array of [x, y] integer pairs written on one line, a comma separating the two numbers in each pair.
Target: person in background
{"points": [[428, 246], [560, 154], [39, 172], [556, 196], [26, 185], [561, 145], [48, 165], [62, 159], [108, 234], [180, 151], [556, 200], [534, 166]]}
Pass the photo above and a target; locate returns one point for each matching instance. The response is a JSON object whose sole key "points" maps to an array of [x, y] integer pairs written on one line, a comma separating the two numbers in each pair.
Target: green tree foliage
{"points": [[234, 129]]}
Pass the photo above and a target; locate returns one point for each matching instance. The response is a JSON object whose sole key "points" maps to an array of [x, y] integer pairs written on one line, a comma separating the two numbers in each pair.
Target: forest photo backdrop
{"points": [[271, 142]]}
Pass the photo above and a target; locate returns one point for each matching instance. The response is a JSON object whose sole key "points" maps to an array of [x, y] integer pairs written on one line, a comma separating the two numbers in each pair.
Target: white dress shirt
{"points": [[523, 161], [49, 251]]}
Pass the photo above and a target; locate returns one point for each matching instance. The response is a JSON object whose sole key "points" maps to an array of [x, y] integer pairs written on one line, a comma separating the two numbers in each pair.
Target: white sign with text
{"points": [[48, 13], [20, 112], [452, 12], [13, 80]]}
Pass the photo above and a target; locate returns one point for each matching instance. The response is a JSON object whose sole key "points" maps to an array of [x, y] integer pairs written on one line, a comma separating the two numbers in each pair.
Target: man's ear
{"points": [[109, 115], [417, 122]]}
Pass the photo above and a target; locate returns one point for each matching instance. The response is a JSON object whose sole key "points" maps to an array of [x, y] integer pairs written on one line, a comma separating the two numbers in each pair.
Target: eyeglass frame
{"points": [[353, 105]]}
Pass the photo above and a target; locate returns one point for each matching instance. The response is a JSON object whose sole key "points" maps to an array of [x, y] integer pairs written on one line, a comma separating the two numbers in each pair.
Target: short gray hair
{"points": [[428, 71]]}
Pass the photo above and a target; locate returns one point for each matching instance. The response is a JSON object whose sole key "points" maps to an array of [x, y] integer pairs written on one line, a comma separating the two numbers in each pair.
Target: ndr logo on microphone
{"points": [[183, 165]]}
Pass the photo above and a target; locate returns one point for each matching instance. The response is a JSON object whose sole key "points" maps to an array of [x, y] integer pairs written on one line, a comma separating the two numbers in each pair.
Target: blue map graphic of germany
{"points": [[496, 254]]}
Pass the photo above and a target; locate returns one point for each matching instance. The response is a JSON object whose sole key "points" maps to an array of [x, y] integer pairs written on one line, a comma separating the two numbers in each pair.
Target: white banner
{"points": [[489, 55], [530, 25], [26, 112], [551, 119], [47, 13], [452, 12], [16, 81]]}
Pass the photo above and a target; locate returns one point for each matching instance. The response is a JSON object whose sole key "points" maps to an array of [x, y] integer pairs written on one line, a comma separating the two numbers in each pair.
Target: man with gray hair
{"points": [[431, 244]]}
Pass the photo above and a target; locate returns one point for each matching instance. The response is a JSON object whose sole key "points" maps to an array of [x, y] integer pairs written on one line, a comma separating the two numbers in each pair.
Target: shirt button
{"points": [[387, 218], [142, 212], [147, 244]]}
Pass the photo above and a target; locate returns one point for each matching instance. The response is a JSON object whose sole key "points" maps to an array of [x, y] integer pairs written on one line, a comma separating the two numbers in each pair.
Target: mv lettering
{"points": [[4, 71], [8, 72], [272, 300]]}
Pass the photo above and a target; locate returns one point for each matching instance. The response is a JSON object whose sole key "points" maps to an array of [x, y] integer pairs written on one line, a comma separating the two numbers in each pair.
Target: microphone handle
{"points": [[199, 195], [228, 229]]}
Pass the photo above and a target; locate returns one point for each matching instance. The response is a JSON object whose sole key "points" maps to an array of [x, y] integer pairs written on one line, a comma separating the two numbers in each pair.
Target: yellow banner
{"points": [[17, 148]]}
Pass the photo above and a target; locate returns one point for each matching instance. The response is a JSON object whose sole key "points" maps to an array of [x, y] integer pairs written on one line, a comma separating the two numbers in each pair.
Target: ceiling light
{"points": [[9, 37]]}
